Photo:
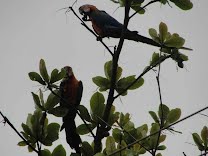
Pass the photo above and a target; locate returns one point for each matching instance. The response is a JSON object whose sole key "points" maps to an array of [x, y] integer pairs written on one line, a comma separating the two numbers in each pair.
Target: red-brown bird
{"points": [[105, 25], [71, 93]]}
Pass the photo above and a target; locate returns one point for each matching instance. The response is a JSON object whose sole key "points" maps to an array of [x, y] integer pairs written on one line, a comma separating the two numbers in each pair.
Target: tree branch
{"points": [[101, 128], [142, 74], [90, 30], [151, 2], [164, 128], [6, 120]]}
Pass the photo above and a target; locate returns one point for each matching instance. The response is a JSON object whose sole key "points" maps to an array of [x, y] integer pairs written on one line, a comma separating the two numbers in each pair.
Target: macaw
{"points": [[71, 93], [105, 25]]}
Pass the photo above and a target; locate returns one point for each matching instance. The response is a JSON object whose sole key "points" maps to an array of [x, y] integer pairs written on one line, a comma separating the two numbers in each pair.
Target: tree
{"points": [[126, 134]]}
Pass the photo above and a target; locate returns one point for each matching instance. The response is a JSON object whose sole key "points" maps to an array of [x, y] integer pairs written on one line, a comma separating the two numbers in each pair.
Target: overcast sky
{"points": [[33, 29]]}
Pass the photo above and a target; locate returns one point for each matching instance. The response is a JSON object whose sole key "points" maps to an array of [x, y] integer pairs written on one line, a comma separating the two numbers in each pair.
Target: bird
{"points": [[70, 97], [105, 25]]}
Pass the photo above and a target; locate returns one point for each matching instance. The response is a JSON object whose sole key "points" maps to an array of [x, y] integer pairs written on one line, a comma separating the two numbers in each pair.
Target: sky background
{"points": [[34, 29]]}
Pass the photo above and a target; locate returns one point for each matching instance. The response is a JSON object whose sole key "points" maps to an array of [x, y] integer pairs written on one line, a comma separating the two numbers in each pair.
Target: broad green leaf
{"points": [[110, 145], [108, 70], [162, 147], [174, 115], [52, 100], [21, 143], [142, 151], [26, 129], [162, 138], [159, 154], [45, 152], [124, 119], [87, 149], [163, 111], [41, 97], [59, 111], [183, 4], [37, 101], [163, 30], [36, 77], [198, 141], [154, 116], [97, 105], [153, 139], [204, 135], [153, 33], [30, 149], [56, 76], [119, 73], [128, 126], [43, 70], [117, 135], [155, 58], [101, 82], [84, 129], [175, 41], [52, 132], [84, 113], [59, 151]]}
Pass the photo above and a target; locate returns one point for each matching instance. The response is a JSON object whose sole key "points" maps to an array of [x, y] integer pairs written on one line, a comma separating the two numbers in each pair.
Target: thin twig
{"points": [[132, 137], [161, 107], [142, 74], [184, 154], [164, 128], [90, 30], [6, 120], [151, 2]]}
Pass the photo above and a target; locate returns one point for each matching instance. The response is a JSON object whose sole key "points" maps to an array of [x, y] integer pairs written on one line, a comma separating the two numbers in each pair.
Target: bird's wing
{"points": [[79, 93]]}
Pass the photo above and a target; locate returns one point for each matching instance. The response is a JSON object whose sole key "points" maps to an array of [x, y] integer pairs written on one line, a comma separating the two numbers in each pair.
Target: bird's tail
{"points": [[133, 35], [72, 137]]}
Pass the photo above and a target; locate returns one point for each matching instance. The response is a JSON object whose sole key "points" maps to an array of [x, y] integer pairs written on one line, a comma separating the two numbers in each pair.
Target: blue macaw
{"points": [[105, 25]]}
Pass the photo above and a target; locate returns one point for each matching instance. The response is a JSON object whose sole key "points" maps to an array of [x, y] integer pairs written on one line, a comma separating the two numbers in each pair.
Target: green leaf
{"points": [[153, 139], [30, 149], [43, 70], [163, 30], [41, 97], [97, 105], [155, 59], [59, 111], [174, 115], [159, 154], [162, 138], [52, 132], [84, 113], [142, 151], [153, 33], [59, 151], [36, 77], [101, 82], [87, 149], [163, 108], [117, 135], [154, 116], [183, 4], [84, 129], [204, 135], [37, 102], [198, 141], [21, 143], [52, 100], [45, 152], [110, 145], [175, 41], [124, 119], [128, 126], [26, 129], [108, 70], [162, 147], [56, 75]]}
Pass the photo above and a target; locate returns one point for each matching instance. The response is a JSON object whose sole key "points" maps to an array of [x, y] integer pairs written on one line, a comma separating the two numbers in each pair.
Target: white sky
{"points": [[31, 30]]}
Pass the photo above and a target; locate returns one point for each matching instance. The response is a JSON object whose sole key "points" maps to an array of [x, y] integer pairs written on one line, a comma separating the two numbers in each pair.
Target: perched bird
{"points": [[71, 94], [105, 25]]}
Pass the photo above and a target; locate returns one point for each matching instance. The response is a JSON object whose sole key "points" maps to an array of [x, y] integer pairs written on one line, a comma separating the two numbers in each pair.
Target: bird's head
{"points": [[86, 10], [69, 72]]}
